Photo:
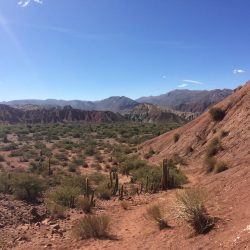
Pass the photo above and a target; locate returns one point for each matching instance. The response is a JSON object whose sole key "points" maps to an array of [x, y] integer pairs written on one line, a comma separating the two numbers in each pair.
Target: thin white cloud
{"points": [[25, 3], [238, 71], [164, 76], [183, 85], [193, 82]]}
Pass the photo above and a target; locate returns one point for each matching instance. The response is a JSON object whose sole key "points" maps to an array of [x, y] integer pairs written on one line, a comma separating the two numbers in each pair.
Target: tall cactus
{"points": [[87, 187], [50, 171], [116, 184], [111, 179], [121, 193], [165, 174], [147, 183]]}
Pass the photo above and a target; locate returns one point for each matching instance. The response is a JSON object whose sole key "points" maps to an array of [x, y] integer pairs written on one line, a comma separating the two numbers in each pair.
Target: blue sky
{"points": [[93, 49]]}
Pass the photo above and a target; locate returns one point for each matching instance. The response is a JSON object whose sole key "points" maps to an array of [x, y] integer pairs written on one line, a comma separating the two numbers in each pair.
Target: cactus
{"points": [[111, 179], [87, 187], [116, 184], [165, 174], [121, 193], [147, 183], [141, 188], [92, 201], [50, 171]]}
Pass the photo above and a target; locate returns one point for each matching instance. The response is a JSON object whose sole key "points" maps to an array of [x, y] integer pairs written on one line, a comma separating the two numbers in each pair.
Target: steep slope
{"points": [[53, 115], [228, 191], [188, 100], [146, 112], [199, 132], [9, 114]]}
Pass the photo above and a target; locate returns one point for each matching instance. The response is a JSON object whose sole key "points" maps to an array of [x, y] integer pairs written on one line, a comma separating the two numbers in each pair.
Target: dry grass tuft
{"points": [[155, 213], [189, 206], [91, 226]]}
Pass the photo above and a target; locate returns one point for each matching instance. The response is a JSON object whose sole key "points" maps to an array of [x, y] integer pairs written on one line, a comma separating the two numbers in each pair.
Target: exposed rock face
{"points": [[152, 113], [188, 100], [53, 115]]}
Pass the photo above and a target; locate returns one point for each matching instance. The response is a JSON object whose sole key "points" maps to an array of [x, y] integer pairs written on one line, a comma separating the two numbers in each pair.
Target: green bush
{"points": [[84, 204], [55, 210], [27, 187], [176, 177], [103, 192], [65, 196], [5, 183], [131, 164], [217, 114]]}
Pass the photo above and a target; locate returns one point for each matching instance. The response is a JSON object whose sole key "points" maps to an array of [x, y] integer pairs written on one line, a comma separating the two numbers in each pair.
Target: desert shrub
{"points": [[150, 153], [149, 176], [2, 158], [97, 178], [103, 192], [213, 147], [84, 204], [217, 114], [220, 166], [79, 160], [5, 183], [223, 133], [132, 164], [99, 157], [61, 157], [177, 159], [96, 166], [72, 167], [190, 207], [9, 147], [176, 137], [27, 187], [209, 164], [189, 150], [176, 177], [55, 210], [155, 213], [124, 204], [76, 181], [90, 150], [91, 226], [65, 196]]}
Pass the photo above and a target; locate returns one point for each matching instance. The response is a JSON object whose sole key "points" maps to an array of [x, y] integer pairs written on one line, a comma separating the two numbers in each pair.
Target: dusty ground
{"points": [[131, 230]]}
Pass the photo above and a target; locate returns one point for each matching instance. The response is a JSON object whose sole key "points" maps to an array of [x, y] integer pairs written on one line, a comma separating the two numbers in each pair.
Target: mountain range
{"points": [[178, 106], [182, 100]]}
